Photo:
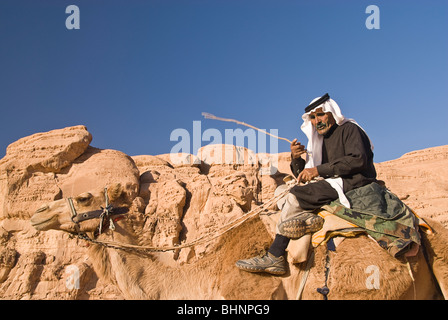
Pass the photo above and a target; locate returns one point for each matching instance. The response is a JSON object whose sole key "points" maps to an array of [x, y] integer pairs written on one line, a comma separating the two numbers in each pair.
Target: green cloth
{"points": [[384, 217]]}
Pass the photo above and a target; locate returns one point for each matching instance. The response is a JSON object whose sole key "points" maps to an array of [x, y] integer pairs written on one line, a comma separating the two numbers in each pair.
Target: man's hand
{"points": [[308, 174], [297, 149]]}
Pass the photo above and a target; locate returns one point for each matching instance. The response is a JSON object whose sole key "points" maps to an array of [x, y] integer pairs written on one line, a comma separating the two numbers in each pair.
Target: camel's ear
{"points": [[115, 192], [121, 194]]}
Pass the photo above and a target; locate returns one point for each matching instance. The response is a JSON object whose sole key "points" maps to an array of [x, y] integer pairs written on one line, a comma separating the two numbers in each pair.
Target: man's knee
{"points": [[279, 190], [289, 199]]}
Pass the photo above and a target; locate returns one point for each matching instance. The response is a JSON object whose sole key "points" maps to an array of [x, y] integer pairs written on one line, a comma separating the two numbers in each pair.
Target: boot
{"points": [[266, 262], [297, 227]]}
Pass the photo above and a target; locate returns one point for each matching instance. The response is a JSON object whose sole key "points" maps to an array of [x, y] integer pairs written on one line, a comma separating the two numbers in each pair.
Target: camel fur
{"points": [[214, 276]]}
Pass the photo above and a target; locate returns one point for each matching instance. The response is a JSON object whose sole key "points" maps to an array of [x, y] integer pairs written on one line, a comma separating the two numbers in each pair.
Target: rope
{"points": [[324, 291], [224, 229], [305, 275], [408, 265]]}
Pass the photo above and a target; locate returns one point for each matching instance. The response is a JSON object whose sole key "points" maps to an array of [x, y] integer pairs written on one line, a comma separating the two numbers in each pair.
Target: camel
{"points": [[140, 276], [356, 263]]}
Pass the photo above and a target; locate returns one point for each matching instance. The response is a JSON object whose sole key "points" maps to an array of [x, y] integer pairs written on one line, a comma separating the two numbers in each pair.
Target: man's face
{"points": [[322, 121]]}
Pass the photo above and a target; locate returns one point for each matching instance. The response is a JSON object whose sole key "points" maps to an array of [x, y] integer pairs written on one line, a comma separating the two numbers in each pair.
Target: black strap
{"points": [[325, 290], [318, 102], [97, 213]]}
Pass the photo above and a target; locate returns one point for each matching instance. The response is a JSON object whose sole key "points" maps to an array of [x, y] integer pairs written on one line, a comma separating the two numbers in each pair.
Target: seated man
{"points": [[340, 153]]}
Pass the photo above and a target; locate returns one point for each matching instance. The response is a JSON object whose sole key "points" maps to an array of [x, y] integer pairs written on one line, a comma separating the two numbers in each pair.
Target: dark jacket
{"points": [[346, 153]]}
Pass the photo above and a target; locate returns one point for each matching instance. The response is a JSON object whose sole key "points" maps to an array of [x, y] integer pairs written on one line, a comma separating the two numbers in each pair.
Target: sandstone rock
{"points": [[227, 154], [145, 162], [181, 159], [420, 179], [39, 169], [27, 172], [164, 213], [7, 262], [172, 202], [48, 151], [274, 164]]}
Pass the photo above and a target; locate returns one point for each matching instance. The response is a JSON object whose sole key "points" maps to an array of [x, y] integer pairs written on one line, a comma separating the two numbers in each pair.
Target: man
{"points": [[339, 154]]}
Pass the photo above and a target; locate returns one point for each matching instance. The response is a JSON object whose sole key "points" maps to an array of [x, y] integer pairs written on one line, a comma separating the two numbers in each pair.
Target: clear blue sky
{"points": [[137, 70]]}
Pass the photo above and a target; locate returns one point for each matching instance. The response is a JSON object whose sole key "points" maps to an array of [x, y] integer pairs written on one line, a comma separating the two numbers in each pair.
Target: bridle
{"points": [[104, 214], [76, 218]]}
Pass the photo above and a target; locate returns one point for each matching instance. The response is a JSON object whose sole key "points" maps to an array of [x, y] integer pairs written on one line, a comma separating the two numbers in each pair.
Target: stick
{"points": [[211, 116]]}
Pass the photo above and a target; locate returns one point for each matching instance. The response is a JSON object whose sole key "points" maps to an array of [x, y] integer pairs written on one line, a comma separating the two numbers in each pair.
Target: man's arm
{"points": [[356, 148], [297, 162], [297, 166]]}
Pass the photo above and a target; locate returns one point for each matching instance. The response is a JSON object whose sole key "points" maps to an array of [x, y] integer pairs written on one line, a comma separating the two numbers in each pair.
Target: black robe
{"points": [[346, 153]]}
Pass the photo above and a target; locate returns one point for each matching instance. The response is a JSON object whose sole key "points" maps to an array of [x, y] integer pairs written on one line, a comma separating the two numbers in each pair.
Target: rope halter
{"points": [[103, 214]]}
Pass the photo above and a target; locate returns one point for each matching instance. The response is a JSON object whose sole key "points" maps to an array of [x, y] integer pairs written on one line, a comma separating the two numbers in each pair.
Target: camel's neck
{"points": [[123, 232], [111, 263], [143, 277]]}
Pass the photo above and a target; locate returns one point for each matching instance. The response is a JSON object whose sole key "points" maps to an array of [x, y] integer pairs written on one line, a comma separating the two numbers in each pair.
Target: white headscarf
{"points": [[315, 141]]}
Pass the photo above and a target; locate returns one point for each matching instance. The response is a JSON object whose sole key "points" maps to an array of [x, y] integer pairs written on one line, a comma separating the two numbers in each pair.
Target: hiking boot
{"points": [[264, 263], [298, 227]]}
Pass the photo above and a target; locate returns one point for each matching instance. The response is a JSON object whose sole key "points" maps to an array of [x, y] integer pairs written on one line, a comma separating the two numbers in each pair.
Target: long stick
{"points": [[211, 116]]}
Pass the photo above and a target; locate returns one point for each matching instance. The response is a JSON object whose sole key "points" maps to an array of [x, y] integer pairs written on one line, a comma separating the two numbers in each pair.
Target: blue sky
{"points": [[137, 70]]}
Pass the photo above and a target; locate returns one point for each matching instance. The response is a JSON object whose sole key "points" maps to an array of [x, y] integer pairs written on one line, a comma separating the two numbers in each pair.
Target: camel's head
{"points": [[86, 213]]}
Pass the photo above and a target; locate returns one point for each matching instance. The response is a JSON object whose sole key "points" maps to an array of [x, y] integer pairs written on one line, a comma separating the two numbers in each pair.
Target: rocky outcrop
{"points": [[179, 198], [39, 169], [420, 179], [28, 170]]}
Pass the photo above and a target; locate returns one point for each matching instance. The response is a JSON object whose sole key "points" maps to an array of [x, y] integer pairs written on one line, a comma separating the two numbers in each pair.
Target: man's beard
{"points": [[322, 128]]}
